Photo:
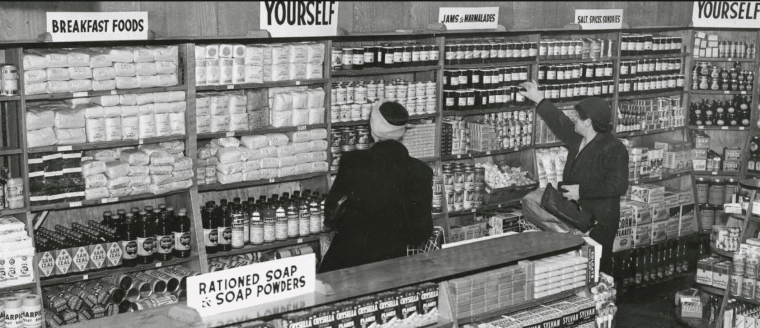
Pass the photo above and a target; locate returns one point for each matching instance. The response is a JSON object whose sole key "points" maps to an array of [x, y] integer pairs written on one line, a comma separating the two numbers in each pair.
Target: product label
{"points": [[129, 249], [98, 256], [182, 241], [81, 259], [257, 234], [62, 261], [46, 263], [115, 253], [145, 246], [210, 237], [164, 244], [225, 234]]}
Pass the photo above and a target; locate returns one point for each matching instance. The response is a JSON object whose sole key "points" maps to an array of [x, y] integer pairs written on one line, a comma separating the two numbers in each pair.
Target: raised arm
{"points": [[561, 125]]}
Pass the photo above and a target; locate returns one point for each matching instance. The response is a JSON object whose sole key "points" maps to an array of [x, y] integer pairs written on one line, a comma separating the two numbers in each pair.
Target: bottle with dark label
{"points": [[106, 218], [236, 200], [238, 230], [246, 210], [257, 226], [645, 268], [181, 233], [268, 213], [224, 227], [128, 237], [122, 215], [292, 214], [210, 232], [164, 244], [145, 239], [304, 219]]}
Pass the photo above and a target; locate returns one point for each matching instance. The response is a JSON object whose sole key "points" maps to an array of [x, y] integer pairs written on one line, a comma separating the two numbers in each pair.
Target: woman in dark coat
{"points": [[596, 170], [389, 196]]}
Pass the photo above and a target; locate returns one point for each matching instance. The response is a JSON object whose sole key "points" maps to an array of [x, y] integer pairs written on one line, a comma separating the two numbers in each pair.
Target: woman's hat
{"points": [[388, 120], [596, 109]]}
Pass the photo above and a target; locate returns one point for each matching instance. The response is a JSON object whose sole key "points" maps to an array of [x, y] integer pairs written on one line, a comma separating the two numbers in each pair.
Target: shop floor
{"points": [[651, 306]]}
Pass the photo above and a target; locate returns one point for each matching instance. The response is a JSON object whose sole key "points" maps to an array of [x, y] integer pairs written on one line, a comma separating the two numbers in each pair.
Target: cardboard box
{"points": [[700, 139], [688, 221], [674, 220], [671, 199], [699, 164], [732, 153], [648, 193], [659, 231], [45, 262], [643, 236], [731, 165], [720, 274], [699, 153], [626, 229], [63, 261], [642, 212], [98, 256]]}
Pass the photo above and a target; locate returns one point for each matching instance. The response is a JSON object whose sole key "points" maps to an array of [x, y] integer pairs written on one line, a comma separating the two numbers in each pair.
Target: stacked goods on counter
{"points": [[106, 118], [483, 88], [573, 311], [99, 69], [710, 46], [490, 132], [249, 110], [650, 114], [225, 64], [734, 112], [88, 300], [352, 101], [16, 253], [274, 155], [234, 261], [120, 240], [492, 223], [743, 267], [407, 53], [263, 221], [551, 165], [517, 284]]}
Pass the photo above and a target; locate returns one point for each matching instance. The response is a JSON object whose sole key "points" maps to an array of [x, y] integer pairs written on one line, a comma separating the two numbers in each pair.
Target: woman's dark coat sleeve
{"points": [[340, 186], [561, 125], [419, 204], [615, 173]]}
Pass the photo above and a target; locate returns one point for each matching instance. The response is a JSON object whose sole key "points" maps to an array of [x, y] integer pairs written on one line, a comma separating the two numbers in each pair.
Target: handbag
{"points": [[336, 214], [569, 211]]}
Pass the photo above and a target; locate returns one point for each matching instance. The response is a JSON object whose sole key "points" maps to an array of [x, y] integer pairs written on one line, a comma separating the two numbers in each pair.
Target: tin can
{"points": [[366, 110], [336, 140], [9, 79], [458, 179], [335, 163], [448, 178], [402, 91], [717, 192], [371, 91], [437, 185], [467, 199], [437, 203], [450, 197], [390, 92], [707, 216], [349, 140], [429, 89], [360, 94], [458, 200], [469, 178], [347, 55], [732, 187], [335, 113], [337, 60], [430, 104], [356, 112], [345, 113], [340, 94], [362, 138], [703, 188]]}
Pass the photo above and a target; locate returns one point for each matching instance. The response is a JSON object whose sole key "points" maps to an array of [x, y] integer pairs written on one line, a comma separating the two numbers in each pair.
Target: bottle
{"points": [[238, 232], [145, 241], [224, 227], [315, 224], [281, 226], [270, 221], [671, 259], [652, 265], [210, 232], [304, 219], [629, 279], [246, 222], [662, 265], [182, 238], [128, 236], [292, 214], [164, 243], [257, 227], [322, 216], [106, 218], [640, 269]]}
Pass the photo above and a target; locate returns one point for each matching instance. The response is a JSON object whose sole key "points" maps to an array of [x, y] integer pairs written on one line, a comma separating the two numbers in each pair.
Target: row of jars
{"points": [[715, 191], [704, 69], [736, 49], [358, 112], [348, 138], [705, 83], [649, 67], [551, 74], [551, 49], [475, 99], [361, 92], [646, 44], [484, 78], [512, 133], [385, 56], [489, 51], [651, 84], [577, 91], [513, 124]]}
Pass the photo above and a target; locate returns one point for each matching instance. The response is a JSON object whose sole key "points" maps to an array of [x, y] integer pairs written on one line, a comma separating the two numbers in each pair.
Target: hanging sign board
{"points": [[726, 14], [599, 19], [469, 18], [252, 285], [299, 18], [97, 26]]}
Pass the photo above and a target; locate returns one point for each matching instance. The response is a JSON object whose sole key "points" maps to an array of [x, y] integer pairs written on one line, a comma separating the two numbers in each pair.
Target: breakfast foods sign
{"points": [[299, 18]]}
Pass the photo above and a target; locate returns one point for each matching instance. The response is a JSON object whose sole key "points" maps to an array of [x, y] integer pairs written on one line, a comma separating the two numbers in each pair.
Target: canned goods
{"points": [[362, 138], [335, 163], [356, 112], [458, 179], [707, 216], [9, 79], [469, 178], [703, 188], [349, 140], [336, 140], [450, 197], [366, 110], [345, 113], [716, 193], [458, 200]]}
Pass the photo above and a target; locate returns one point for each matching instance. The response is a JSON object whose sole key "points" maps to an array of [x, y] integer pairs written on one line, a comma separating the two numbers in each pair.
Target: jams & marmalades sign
{"points": [[722, 14], [248, 286], [97, 26], [299, 18]]}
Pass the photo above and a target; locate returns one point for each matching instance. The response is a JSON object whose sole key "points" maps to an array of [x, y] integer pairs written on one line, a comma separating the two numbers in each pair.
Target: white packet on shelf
{"points": [[125, 69], [232, 178], [127, 82], [255, 142], [93, 167], [103, 73], [70, 136], [80, 73], [80, 85], [117, 169], [95, 181], [96, 193], [203, 124], [147, 81], [164, 67], [219, 123], [103, 85], [177, 124], [139, 170], [95, 129], [316, 115]]}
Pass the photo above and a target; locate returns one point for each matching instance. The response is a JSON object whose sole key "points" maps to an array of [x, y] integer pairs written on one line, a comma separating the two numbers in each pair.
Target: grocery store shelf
{"points": [[105, 145], [751, 175], [742, 60], [247, 184], [270, 246], [665, 176], [351, 123], [428, 159], [31, 285], [82, 276], [489, 65], [10, 151], [677, 55], [719, 92], [214, 135], [9, 98], [485, 111], [652, 95], [576, 61], [519, 307], [97, 202], [715, 127], [746, 300], [422, 116], [478, 154], [259, 85], [721, 252], [711, 289], [380, 71], [549, 145], [104, 93], [14, 211], [646, 132], [718, 173]]}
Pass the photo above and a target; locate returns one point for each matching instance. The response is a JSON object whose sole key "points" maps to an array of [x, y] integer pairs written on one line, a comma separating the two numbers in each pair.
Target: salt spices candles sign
{"points": [[97, 26], [599, 19], [726, 14], [469, 18], [299, 18], [248, 286]]}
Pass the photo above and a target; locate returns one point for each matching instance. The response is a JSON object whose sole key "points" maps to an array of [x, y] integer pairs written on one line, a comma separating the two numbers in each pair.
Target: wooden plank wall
{"points": [[23, 20]]}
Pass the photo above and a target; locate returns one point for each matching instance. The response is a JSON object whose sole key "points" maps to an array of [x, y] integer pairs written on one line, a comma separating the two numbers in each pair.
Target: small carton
{"points": [[732, 153], [720, 274], [674, 220], [699, 164], [642, 212], [626, 228], [671, 199], [660, 212], [699, 153], [731, 165], [700, 139], [643, 236], [704, 271], [648, 193], [688, 221], [659, 231]]}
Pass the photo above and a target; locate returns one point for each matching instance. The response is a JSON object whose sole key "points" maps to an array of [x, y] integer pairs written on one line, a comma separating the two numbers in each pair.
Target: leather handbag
{"points": [[337, 214], [569, 211]]}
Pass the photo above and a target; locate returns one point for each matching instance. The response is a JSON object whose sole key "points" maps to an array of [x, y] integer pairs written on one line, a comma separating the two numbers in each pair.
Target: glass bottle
{"points": [[145, 239], [210, 231], [163, 237], [238, 221], [257, 227], [182, 236], [224, 227]]}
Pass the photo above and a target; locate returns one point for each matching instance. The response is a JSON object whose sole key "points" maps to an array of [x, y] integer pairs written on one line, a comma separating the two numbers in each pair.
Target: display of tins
{"points": [[717, 192], [488, 51], [707, 216]]}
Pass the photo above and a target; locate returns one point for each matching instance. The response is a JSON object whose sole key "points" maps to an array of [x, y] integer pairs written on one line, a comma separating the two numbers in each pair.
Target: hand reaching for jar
{"points": [[531, 91]]}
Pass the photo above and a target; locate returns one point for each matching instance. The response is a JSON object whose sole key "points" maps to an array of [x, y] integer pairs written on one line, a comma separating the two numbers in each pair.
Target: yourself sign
{"points": [[723, 14], [299, 18], [97, 26], [248, 286]]}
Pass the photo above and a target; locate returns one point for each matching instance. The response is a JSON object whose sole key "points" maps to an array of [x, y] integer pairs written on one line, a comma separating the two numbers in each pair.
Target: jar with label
{"points": [[340, 94], [716, 193], [386, 54], [370, 52], [360, 93], [406, 55], [433, 54], [390, 92], [707, 216], [337, 59], [357, 59], [350, 93], [347, 58]]}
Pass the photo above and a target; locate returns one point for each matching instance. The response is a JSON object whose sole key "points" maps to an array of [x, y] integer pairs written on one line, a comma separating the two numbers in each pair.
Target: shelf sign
{"points": [[599, 19], [299, 18], [97, 26], [242, 287], [469, 18], [726, 14]]}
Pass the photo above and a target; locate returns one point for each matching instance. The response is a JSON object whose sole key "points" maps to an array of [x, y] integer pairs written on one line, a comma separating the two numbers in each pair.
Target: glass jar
{"points": [[358, 58], [347, 56]]}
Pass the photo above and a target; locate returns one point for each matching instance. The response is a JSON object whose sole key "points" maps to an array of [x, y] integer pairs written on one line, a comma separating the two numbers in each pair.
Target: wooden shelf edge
{"points": [[381, 71], [86, 94], [103, 201], [106, 145], [255, 183], [284, 129], [82, 276], [267, 247], [259, 85]]}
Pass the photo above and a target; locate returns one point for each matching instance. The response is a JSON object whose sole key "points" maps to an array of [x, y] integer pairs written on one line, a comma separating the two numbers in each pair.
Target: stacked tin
{"points": [[8, 80], [352, 101], [464, 186]]}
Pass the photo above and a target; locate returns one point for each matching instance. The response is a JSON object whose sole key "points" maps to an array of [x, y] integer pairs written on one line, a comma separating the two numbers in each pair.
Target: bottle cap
{"points": [[12, 303], [32, 300]]}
